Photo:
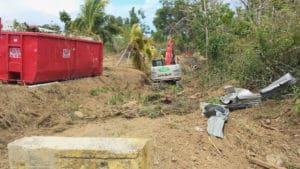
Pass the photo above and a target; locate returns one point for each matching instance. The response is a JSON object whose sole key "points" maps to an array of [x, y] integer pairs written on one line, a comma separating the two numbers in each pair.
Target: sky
{"points": [[39, 12]]}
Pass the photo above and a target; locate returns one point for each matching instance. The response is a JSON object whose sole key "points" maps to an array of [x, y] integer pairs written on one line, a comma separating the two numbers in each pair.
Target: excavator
{"points": [[166, 69]]}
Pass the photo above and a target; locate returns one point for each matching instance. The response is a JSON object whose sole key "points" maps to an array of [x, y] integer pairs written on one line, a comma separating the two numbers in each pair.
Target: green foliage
{"points": [[17, 26], [104, 89], [296, 99], [141, 48], [94, 92], [66, 19], [54, 27], [152, 97], [255, 44], [133, 18], [119, 98], [93, 22], [213, 100]]}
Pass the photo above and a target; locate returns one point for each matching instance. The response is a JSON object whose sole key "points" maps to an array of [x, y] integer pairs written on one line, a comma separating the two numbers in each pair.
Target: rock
{"points": [[198, 129], [59, 129], [91, 117], [193, 158], [79, 114], [195, 96], [69, 122], [275, 159], [174, 159], [268, 121], [180, 93], [166, 100]]}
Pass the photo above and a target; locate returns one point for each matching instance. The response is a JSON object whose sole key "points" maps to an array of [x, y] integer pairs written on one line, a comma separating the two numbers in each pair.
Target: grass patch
{"points": [[114, 100], [151, 98], [119, 98], [152, 111], [104, 89], [213, 100], [94, 92]]}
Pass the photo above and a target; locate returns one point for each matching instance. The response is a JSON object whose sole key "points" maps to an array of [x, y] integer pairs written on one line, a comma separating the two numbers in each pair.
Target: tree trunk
{"points": [[206, 30]]}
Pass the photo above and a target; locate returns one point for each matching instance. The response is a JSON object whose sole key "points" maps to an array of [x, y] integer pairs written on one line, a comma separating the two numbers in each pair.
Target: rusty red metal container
{"points": [[30, 58]]}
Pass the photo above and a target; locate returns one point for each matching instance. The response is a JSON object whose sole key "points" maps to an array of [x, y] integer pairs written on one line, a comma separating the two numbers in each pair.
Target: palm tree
{"points": [[88, 21]]}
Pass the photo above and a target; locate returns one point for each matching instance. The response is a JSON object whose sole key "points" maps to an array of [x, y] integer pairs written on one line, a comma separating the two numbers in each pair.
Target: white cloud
{"points": [[37, 11], [52, 7], [47, 11]]}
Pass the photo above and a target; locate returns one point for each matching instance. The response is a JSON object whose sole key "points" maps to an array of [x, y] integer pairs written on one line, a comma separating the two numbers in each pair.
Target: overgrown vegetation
{"points": [[253, 42]]}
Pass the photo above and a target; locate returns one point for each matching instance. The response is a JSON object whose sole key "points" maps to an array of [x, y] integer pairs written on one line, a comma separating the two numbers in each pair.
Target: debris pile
{"points": [[239, 98], [217, 115]]}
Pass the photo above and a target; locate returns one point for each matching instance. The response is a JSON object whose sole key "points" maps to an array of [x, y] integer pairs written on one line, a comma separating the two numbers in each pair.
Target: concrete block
{"points": [[78, 153]]}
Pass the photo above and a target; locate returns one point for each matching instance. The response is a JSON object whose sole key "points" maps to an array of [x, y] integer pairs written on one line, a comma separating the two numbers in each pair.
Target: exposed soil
{"points": [[122, 103]]}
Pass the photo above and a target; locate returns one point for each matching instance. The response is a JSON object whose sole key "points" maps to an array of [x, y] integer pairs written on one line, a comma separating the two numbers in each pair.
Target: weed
{"points": [[176, 89], [151, 97], [104, 89], [94, 92], [119, 97], [116, 99], [213, 100]]}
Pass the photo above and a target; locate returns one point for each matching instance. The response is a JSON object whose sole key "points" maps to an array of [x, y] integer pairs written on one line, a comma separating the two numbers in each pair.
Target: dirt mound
{"points": [[55, 103]]}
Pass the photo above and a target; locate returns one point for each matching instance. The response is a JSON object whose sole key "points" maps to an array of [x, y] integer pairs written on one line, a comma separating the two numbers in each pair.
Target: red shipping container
{"points": [[30, 58]]}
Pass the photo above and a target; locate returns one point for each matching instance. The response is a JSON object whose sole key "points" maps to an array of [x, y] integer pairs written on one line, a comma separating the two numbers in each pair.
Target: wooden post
{"points": [[119, 61]]}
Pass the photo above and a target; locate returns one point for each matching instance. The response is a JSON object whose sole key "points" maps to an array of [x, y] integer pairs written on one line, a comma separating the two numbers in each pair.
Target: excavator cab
{"points": [[158, 62]]}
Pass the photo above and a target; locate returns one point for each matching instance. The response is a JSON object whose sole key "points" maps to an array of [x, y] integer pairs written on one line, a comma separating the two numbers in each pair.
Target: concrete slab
{"points": [[79, 153]]}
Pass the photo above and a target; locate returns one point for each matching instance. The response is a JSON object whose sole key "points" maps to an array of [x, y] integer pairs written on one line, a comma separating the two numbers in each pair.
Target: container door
{"points": [[14, 59]]}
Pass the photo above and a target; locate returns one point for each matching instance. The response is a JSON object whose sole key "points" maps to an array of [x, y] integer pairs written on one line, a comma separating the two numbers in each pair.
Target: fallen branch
{"points": [[119, 61], [269, 127], [43, 119], [5, 122], [212, 143], [281, 114], [263, 163], [35, 114]]}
